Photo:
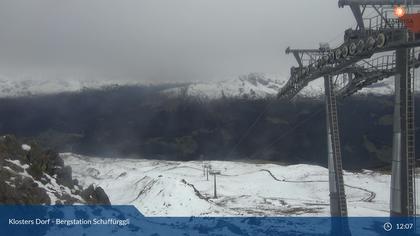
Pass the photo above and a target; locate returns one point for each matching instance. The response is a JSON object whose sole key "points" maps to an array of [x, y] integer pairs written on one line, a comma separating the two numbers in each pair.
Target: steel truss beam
{"points": [[337, 61], [362, 74]]}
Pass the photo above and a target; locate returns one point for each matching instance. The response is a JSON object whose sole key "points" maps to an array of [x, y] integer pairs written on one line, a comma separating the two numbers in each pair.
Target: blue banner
{"points": [[127, 220]]}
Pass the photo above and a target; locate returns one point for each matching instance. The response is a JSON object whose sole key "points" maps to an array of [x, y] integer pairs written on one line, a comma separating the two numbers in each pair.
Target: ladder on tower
{"points": [[410, 144], [335, 141]]}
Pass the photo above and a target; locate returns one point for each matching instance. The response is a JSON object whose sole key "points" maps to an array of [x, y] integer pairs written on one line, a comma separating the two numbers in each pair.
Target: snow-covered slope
{"points": [[161, 188]]}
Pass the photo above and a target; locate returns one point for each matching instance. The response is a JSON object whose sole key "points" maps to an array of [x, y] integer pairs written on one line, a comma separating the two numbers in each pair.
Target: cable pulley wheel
{"points": [[352, 49], [370, 43], [325, 59], [380, 40], [337, 54], [360, 46], [344, 51]]}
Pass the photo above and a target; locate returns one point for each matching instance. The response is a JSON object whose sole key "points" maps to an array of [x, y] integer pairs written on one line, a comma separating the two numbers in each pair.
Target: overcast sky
{"points": [[164, 40]]}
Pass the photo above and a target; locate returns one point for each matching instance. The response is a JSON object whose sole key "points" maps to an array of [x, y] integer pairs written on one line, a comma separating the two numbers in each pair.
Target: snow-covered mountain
{"points": [[24, 86], [171, 188], [250, 86], [257, 85], [254, 85]]}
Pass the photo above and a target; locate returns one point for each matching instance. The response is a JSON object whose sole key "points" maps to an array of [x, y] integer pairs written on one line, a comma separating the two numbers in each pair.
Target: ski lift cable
{"points": [[250, 127], [284, 135], [258, 118], [255, 122]]}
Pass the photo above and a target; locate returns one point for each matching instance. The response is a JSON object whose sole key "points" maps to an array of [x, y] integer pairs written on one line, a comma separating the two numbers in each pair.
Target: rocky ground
{"points": [[30, 175]]}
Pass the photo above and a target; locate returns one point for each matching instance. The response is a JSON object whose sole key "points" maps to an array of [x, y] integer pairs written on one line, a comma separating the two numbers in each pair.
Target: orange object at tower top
{"points": [[399, 11], [412, 22]]}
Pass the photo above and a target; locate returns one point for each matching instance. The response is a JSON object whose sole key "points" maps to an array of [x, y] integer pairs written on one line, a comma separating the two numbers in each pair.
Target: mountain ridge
{"points": [[250, 86]]}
